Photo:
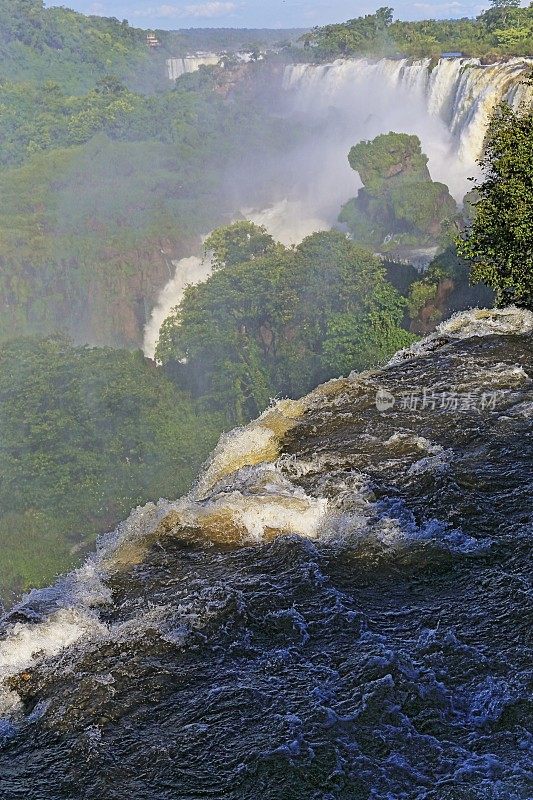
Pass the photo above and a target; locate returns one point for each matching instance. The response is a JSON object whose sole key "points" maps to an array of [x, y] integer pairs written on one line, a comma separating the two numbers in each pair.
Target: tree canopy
{"points": [[237, 243], [504, 29], [281, 322], [87, 434], [499, 242]]}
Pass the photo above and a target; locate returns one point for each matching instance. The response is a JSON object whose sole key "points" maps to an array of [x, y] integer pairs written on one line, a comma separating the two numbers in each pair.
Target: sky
{"points": [[172, 14]]}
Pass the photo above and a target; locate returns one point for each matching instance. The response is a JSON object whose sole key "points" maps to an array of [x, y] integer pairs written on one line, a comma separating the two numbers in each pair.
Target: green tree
{"points": [[499, 243], [239, 242], [505, 3], [282, 322], [86, 435]]}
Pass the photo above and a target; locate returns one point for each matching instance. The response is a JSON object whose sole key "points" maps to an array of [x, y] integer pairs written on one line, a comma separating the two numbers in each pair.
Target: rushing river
{"points": [[338, 611]]}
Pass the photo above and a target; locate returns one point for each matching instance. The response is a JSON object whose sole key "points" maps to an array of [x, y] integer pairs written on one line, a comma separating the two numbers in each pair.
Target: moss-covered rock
{"points": [[399, 206]]}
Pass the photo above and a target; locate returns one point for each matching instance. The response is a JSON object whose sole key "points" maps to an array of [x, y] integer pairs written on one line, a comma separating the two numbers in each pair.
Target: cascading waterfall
{"points": [[461, 93], [177, 67], [287, 221], [188, 271], [448, 105]]}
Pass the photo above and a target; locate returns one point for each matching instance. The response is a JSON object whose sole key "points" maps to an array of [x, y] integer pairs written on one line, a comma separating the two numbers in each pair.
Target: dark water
{"points": [[386, 659]]}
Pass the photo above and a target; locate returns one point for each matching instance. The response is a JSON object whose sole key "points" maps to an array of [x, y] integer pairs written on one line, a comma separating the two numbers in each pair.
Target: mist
{"points": [[302, 191]]}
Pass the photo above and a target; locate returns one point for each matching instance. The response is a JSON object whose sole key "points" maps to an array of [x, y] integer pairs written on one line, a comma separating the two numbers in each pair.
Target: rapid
{"points": [[337, 610]]}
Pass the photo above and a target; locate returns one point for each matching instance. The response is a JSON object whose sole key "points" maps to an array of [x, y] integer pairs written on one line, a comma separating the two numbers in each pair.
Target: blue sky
{"points": [[262, 13]]}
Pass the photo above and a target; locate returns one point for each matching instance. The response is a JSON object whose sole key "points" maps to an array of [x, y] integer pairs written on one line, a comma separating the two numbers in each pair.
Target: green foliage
{"points": [[193, 116], [101, 192], [217, 40], [499, 243], [86, 435], [40, 45], [368, 34], [388, 160], [399, 205], [443, 290], [506, 29], [281, 323], [505, 3], [421, 293], [237, 243], [90, 260], [426, 205]]}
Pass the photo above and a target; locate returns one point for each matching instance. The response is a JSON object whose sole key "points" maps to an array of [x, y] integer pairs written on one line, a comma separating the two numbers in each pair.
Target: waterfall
{"points": [[447, 105], [181, 66], [188, 271], [176, 67], [287, 221], [459, 93]]}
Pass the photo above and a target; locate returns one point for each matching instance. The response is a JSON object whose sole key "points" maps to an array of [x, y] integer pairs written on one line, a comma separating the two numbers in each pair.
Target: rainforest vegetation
{"points": [[87, 434], [101, 191], [505, 29], [276, 321], [499, 242], [399, 204], [107, 175]]}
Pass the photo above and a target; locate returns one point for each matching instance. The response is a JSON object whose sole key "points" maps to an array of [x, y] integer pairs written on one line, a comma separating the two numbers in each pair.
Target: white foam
{"points": [[187, 272], [259, 515], [467, 324], [240, 447], [253, 444], [27, 644], [487, 322], [412, 439]]}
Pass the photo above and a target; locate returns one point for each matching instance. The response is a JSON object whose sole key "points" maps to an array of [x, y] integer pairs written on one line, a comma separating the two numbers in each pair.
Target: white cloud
{"points": [[441, 8], [214, 9], [205, 10]]}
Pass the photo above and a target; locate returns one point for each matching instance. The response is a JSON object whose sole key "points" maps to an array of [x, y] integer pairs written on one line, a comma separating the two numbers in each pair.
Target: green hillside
{"points": [[506, 29], [56, 44]]}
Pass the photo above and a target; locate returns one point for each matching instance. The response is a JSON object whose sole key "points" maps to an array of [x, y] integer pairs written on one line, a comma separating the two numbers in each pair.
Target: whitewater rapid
{"points": [[456, 95], [248, 494]]}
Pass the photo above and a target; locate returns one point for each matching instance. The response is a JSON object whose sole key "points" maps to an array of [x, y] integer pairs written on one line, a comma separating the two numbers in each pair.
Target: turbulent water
{"points": [[338, 610], [460, 94]]}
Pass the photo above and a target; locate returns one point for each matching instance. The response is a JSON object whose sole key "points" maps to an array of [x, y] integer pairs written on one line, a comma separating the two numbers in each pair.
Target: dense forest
{"points": [[86, 435], [279, 321], [39, 44], [505, 29], [101, 191], [107, 175]]}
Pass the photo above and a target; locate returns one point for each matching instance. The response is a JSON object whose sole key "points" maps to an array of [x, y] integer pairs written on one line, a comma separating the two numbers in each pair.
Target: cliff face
{"points": [[105, 303], [119, 301]]}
